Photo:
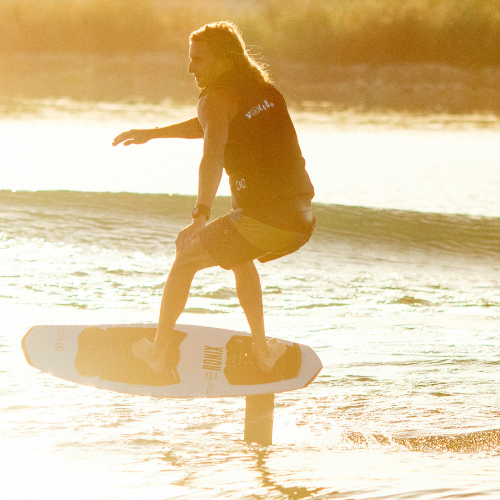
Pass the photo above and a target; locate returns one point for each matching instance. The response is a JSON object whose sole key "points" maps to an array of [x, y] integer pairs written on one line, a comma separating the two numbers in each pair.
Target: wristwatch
{"points": [[201, 210]]}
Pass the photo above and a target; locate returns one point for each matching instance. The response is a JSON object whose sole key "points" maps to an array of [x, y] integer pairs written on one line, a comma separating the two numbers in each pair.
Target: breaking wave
{"points": [[472, 235]]}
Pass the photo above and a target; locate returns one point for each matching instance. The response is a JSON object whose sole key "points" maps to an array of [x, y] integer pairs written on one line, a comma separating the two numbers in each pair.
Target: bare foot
{"points": [[268, 353], [143, 351]]}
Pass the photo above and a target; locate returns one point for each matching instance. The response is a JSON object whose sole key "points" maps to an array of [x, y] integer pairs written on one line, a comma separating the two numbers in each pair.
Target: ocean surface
{"points": [[398, 292]]}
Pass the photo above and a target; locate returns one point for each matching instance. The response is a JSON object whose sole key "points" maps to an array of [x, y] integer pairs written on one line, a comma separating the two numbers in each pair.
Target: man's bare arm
{"points": [[215, 111], [189, 129]]}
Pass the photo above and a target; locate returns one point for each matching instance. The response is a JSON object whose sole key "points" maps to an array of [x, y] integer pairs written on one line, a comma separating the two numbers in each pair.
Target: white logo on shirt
{"points": [[240, 184], [257, 109]]}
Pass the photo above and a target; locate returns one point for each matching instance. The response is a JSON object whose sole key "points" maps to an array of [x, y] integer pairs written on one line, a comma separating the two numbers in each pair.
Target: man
{"points": [[246, 129]]}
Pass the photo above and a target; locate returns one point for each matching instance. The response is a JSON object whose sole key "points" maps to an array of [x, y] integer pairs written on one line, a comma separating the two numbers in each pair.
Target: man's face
{"points": [[203, 64]]}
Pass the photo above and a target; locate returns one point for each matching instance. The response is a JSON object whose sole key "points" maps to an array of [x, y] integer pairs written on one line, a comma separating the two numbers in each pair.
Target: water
{"points": [[398, 161], [398, 292]]}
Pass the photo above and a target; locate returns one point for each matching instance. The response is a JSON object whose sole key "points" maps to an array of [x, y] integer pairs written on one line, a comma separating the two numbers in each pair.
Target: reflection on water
{"points": [[270, 484]]}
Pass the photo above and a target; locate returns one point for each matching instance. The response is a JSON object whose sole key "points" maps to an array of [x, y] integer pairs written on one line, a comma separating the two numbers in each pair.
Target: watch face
{"points": [[201, 210]]}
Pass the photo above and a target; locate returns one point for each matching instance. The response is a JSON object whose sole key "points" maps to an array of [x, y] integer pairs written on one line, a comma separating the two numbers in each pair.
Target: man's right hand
{"points": [[135, 136], [189, 233]]}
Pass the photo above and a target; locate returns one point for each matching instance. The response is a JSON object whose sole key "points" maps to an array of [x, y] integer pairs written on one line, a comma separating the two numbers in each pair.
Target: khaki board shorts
{"points": [[236, 239]]}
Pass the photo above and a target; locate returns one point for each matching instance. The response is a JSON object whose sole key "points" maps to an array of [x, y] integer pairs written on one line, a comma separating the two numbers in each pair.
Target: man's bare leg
{"points": [[249, 292], [173, 302]]}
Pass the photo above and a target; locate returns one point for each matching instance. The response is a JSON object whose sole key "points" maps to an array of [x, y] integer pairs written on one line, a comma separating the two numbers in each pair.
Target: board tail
{"points": [[242, 367], [25, 349]]}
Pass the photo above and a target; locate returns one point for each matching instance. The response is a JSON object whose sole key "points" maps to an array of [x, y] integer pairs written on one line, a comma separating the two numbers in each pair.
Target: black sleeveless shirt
{"points": [[263, 159]]}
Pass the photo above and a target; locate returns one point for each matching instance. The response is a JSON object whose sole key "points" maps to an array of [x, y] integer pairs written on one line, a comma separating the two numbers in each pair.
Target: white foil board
{"points": [[202, 361]]}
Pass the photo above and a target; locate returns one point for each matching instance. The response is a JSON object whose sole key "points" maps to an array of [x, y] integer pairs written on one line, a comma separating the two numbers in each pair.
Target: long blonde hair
{"points": [[225, 41]]}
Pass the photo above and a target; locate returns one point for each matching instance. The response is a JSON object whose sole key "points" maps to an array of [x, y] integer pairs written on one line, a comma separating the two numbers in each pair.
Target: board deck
{"points": [[201, 362]]}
